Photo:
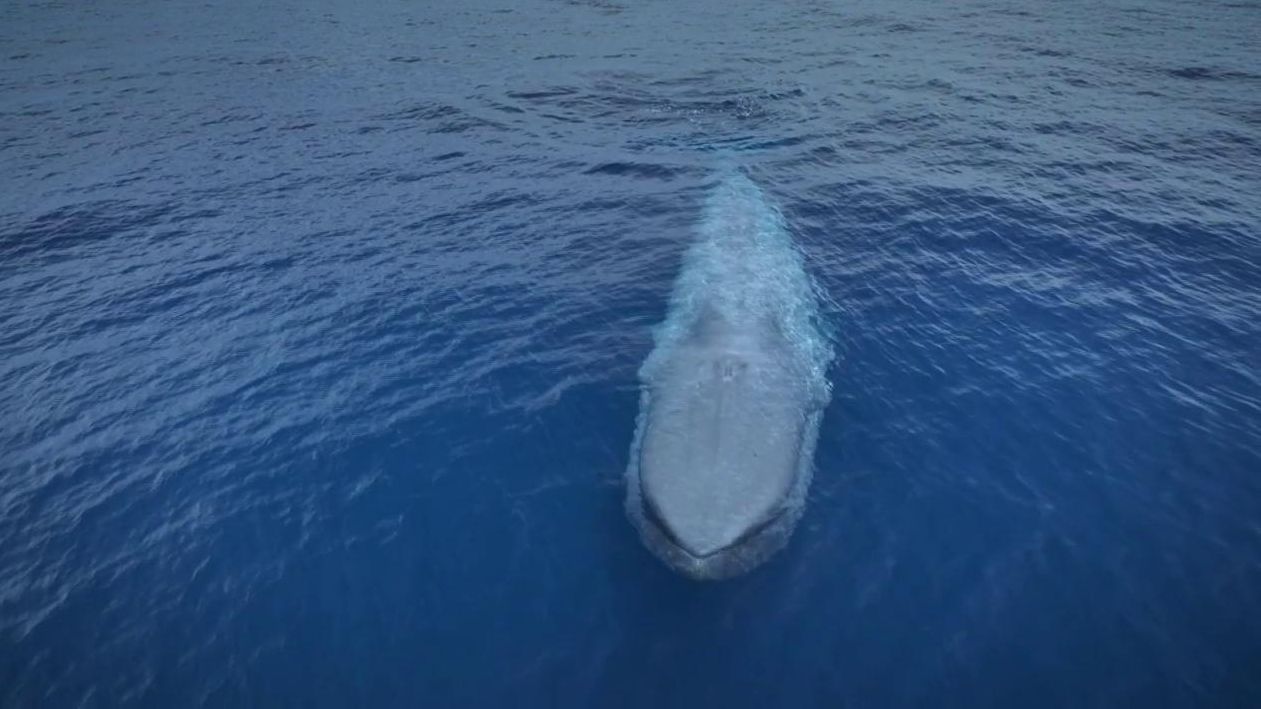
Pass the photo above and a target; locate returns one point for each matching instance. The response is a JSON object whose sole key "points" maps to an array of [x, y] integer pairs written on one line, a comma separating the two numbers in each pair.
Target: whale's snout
{"points": [[701, 542]]}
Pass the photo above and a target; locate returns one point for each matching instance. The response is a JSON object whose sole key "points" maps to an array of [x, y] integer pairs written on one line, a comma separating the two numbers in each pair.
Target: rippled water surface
{"points": [[320, 325]]}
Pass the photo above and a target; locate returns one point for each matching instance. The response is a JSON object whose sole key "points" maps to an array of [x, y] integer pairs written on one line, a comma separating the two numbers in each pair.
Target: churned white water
{"points": [[745, 267]]}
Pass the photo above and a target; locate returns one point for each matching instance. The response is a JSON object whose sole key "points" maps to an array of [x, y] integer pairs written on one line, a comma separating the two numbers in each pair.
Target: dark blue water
{"points": [[320, 325]]}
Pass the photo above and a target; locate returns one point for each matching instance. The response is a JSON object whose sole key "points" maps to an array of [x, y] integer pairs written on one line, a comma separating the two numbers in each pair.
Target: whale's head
{"points": [[722, 445]]}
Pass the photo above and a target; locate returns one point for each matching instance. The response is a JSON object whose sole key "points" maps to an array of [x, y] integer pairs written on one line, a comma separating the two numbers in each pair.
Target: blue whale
{"points": [[731, 396]]}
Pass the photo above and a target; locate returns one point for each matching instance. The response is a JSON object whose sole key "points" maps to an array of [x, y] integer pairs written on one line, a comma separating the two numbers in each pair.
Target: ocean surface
{"points": [[321, 323]]}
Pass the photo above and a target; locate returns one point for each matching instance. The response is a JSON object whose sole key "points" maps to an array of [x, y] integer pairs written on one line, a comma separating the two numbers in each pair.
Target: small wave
{"points": [[633, 169]]}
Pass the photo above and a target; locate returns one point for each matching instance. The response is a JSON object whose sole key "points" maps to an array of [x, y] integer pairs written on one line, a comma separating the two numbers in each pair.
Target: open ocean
{"points": [[320, 325]]}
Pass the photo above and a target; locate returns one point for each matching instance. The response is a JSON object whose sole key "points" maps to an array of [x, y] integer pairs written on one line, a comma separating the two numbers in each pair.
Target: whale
{"points": [[732, 394]]}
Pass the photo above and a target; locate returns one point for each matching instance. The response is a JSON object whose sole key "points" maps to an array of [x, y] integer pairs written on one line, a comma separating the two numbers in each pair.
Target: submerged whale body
{"points": [[732, 395]]}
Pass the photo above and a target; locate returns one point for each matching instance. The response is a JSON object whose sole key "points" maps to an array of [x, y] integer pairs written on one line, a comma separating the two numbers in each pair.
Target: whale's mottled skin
{"points": [[732, 396]]}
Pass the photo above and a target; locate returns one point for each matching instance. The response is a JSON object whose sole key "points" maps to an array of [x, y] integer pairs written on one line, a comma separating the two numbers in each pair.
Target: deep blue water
{"points": [[320, 325]]}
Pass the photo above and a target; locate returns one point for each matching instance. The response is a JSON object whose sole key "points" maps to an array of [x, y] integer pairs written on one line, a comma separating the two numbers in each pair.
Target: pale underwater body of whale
{"points": [[732, 395]]}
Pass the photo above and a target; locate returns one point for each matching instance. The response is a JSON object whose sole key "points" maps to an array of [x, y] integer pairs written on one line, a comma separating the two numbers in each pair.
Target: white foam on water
{"points": [[745, 266]]}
